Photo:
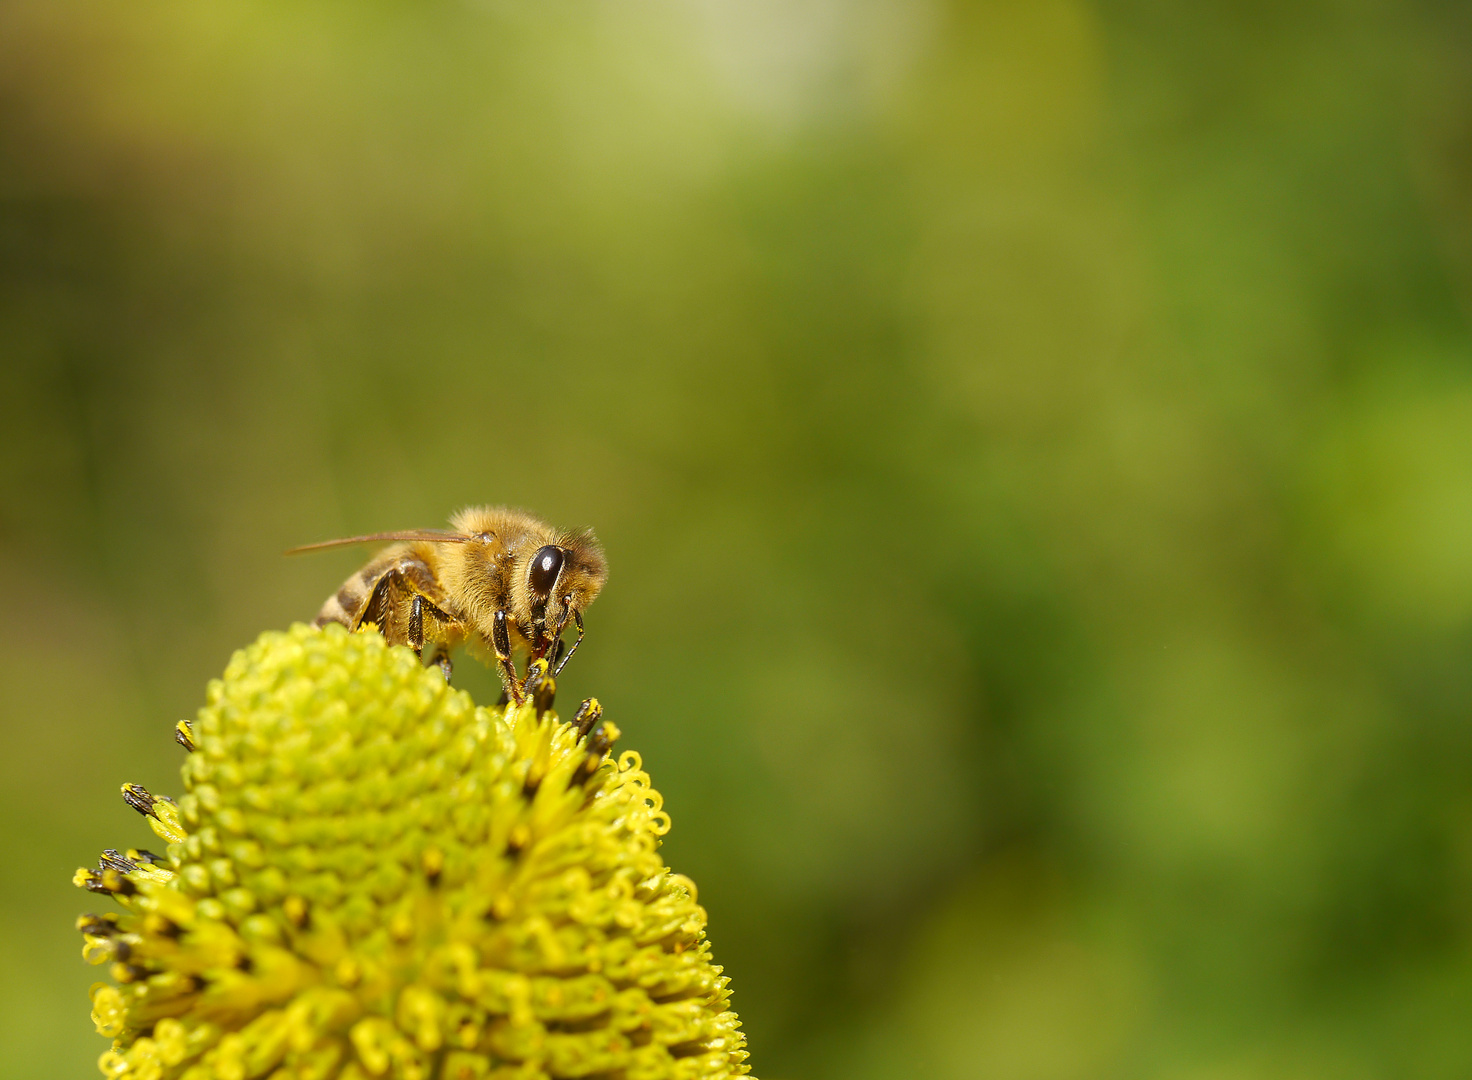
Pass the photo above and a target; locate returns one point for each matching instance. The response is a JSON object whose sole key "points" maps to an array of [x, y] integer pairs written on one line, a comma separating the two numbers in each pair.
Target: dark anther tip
{"points": [[588, 714], [112, 860], [543, 694], [139, 798]]}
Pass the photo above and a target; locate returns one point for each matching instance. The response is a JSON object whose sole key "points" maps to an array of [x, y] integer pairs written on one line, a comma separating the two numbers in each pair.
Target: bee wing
{"points": [[432, 536]]}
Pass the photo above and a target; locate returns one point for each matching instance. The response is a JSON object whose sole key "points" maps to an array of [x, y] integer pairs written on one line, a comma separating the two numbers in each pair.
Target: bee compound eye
{"points": [[546, 565]]}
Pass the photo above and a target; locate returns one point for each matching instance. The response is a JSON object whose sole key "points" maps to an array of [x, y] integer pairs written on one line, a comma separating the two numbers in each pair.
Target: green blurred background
{"points": [[1032, 441]]}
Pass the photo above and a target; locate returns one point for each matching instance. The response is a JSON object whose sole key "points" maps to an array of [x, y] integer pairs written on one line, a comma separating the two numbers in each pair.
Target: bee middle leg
{"points": [[418, 608], [416, 625]]}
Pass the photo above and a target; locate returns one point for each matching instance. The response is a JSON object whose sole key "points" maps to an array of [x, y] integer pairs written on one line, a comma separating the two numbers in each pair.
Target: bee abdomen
{"points": [[347, 605]]}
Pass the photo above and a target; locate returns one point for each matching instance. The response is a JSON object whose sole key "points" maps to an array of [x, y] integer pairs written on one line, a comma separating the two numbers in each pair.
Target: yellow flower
{"points": [[369, 876]]}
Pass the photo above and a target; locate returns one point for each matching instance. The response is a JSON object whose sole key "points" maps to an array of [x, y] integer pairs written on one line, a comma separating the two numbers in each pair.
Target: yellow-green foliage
{"points": [[369, 876]]}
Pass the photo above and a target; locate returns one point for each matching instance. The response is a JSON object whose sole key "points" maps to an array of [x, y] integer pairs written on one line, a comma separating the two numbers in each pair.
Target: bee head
{"points": [[562, 579]]}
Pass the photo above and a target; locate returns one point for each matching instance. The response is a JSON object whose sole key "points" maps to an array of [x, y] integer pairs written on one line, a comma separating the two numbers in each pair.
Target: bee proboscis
{"points": [[500, 581]]}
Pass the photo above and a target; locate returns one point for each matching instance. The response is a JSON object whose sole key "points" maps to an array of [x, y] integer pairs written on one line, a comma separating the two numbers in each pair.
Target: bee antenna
{"points": [[428, 536]]}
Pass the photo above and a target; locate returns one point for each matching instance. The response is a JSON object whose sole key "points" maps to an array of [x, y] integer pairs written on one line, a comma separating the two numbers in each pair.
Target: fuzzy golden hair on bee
{"points": [[500, 580]]}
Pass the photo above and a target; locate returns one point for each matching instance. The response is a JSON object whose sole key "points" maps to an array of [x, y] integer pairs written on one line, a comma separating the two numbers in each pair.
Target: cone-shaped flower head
{"points": [[369, 876]]}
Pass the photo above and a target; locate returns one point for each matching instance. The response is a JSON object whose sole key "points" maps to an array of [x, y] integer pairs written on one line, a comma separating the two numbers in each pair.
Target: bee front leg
{"points": [[577, 618], [501, 642]]}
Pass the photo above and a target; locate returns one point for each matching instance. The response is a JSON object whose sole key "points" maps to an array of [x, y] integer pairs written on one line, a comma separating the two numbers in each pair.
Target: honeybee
{"points": [[501, 581]]}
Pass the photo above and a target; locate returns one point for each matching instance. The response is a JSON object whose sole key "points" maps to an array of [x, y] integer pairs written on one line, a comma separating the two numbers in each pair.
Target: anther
{"points": [[599, 742], [519, 838], [296, 911], [539, 686], [98, 925], [111, 860], [544, 693], [105, 881], [127, 973], [588, 714], [433, 862], [161, 925], [141, 799]]}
